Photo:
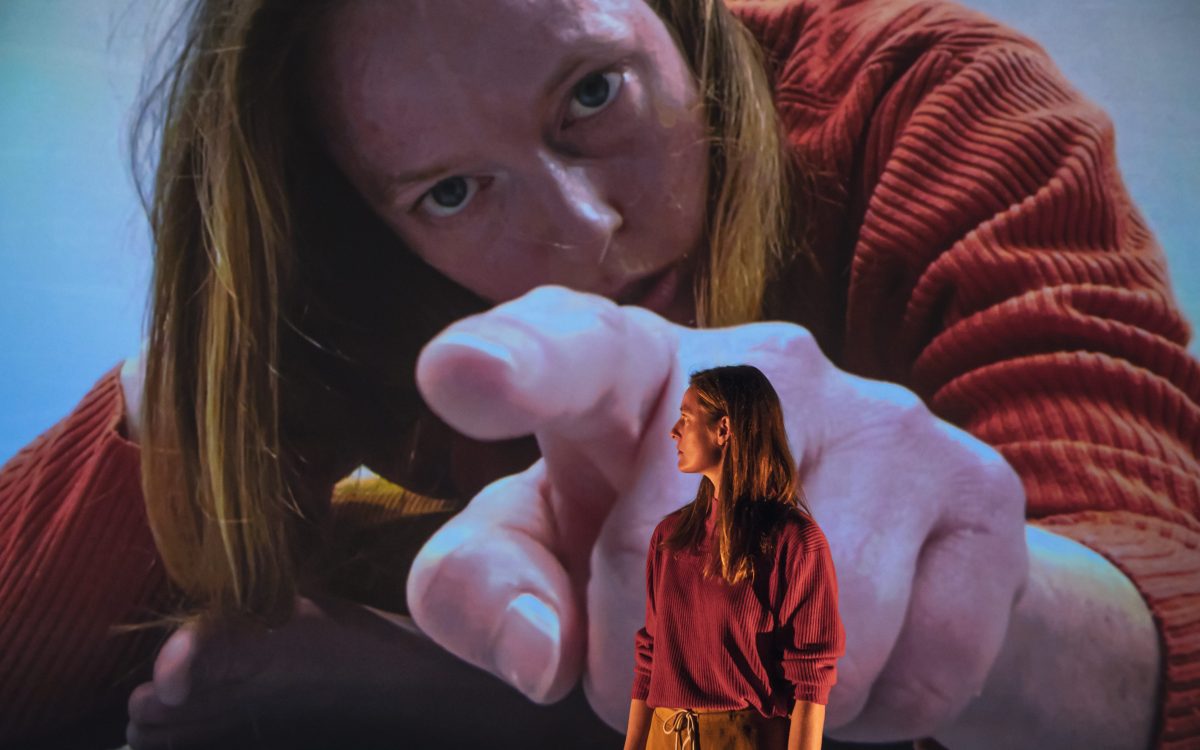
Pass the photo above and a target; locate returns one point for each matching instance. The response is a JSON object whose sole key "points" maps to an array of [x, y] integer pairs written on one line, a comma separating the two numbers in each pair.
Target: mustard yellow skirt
{"points": [[700, 729]]}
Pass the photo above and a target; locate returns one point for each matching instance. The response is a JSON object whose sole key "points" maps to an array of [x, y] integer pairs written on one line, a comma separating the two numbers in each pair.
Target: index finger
{"points": [[554, 362]]}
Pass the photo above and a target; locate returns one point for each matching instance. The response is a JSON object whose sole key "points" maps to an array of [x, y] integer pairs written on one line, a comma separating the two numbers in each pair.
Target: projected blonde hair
{"points": [[271, 279]]}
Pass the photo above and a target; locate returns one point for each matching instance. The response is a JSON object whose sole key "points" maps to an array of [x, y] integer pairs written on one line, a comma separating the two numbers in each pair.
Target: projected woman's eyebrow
{"points": [[586, 57]]}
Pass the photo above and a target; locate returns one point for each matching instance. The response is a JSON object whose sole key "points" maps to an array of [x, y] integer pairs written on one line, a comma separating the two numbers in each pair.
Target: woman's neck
{"points": [[714, 478], [711, 519]]}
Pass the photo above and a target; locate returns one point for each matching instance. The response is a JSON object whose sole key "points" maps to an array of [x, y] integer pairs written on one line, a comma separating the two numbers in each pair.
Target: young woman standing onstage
{"points": [[742, 626]]}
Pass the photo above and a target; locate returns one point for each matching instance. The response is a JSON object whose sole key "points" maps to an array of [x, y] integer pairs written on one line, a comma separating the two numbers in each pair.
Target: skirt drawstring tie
{"points": [[680, 722]]}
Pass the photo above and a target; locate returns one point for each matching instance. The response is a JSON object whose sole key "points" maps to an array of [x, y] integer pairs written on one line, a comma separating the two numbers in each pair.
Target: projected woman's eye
{"points": [[594, 93], [450, 196]]}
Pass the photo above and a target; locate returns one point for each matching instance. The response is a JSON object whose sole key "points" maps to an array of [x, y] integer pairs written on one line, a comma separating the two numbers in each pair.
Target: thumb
{"points": [[491, 588]]}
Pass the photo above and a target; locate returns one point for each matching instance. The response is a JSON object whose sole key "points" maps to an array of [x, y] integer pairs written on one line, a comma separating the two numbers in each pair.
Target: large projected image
{"points": [[570, 373]]}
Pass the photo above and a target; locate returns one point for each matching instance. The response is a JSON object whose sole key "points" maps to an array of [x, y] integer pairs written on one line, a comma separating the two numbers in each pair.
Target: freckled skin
{"points": [[560, 190]]}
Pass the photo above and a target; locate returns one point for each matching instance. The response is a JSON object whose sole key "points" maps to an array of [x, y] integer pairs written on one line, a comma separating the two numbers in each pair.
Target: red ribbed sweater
{"points": [[978, 247], [763, 644]]}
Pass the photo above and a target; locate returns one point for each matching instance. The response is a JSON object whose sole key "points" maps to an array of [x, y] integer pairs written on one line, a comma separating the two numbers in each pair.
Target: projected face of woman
{"points": [[514, 143]]}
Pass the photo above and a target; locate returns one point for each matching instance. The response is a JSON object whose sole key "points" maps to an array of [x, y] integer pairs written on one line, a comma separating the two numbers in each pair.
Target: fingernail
{"points": [[494, 345], [527, 646]]}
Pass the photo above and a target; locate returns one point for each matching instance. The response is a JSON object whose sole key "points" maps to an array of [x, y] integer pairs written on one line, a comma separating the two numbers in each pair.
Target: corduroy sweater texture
{"points": [[977, 246]]}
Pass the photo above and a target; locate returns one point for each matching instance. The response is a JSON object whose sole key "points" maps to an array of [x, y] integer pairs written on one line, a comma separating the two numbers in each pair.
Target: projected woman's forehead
{"points": [[514, 143]]}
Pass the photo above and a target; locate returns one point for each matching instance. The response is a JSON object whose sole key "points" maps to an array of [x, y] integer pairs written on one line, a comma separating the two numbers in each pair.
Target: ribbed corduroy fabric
{"points": [[708, 644], [978, 247], [76, 557]]}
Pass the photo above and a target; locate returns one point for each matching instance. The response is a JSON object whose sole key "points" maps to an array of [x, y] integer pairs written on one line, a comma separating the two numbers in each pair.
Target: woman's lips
{"points": [[655, 292]]}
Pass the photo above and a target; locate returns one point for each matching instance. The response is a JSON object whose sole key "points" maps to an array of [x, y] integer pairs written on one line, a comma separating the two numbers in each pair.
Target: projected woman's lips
{"points": [[655, 292]]}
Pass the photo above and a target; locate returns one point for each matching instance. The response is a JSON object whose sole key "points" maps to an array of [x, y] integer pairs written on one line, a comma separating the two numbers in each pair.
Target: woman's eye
{"points": [[594, 93], [449, 196]]}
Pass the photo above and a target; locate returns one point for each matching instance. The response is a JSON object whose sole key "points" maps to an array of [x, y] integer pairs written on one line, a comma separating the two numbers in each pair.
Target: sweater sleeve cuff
{"points": [[641, 686], [813, 693], [1162, 560]]}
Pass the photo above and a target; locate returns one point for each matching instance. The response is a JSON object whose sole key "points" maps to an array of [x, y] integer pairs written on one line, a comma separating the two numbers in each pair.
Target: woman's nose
{"points": [[578, 217]]}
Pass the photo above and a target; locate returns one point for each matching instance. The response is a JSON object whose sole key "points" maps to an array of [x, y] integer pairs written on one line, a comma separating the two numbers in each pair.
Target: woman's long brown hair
{"points": [[285, 318], [759, 484]]}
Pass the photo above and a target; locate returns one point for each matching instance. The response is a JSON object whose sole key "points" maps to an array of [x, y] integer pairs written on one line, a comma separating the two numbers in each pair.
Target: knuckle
{"points": [[546, 293], [786, 338], [999, 474], [909, 404], [917, 704], [989, 466], [618, 554], [438, 551], [140, 701], [902, 406]]}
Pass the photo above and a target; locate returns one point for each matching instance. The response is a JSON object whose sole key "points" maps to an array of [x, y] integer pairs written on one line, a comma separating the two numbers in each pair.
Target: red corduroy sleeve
{"points": [[812, 637], [1049, 330], [997, 267], [1003, 273], [643, 641], [76, 557]]}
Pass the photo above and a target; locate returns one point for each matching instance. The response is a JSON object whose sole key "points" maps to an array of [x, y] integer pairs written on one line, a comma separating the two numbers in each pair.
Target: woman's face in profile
{"points": [[513, 143], [696, 443]]}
